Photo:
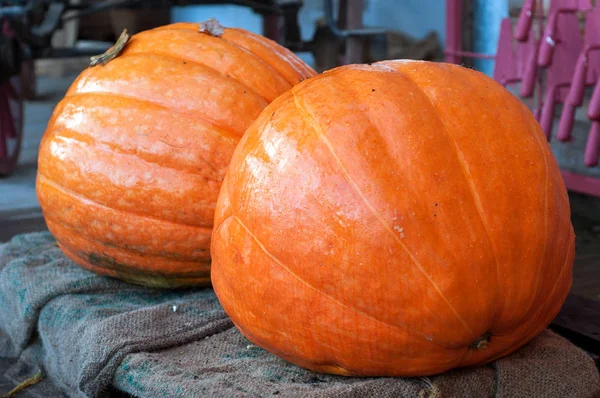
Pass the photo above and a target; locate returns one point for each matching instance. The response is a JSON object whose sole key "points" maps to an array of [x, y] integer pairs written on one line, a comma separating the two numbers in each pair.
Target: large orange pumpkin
{"points": [[133, 158], [403, 219]]}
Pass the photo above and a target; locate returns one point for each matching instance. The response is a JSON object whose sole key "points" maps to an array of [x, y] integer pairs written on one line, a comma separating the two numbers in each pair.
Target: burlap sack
{"points": [[89, 334]]}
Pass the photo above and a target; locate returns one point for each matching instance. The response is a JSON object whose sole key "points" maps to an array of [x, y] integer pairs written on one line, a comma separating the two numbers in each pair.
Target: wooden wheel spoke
{"points": [[11, 122], [12, 92], [3, 146], [8, 127]]}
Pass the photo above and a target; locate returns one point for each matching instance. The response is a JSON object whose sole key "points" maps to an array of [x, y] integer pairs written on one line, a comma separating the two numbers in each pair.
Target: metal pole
{"points": [[355, 45], [453, 31]]}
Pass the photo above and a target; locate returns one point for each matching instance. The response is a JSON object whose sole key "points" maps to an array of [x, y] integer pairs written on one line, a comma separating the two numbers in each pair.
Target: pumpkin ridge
{"points": [[206, 68], [225, 132], [129, 248], [111, 264], [138, 261], [191, 61], [216, 228], [246, 51], [534, 331], [133, 275], [545, 247], [83, 138], [297, 67], [559, 277], [405, 330], [281, 52], [207, 229], [311, 123], [560, 274], [465, 171]]}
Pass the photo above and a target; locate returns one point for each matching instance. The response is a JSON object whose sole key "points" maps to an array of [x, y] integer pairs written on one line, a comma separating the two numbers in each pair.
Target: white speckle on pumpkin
{"points": [[400, 230]]}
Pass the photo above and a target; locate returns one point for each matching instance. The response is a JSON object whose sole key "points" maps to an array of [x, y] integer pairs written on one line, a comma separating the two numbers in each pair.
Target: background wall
{"points": [[413, 17], [229, 15]]}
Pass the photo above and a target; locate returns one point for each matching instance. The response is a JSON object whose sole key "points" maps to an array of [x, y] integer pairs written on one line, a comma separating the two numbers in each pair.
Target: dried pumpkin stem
{"points": [[481, 342], [211, 27], [24, 384], [112, 52], [431, 390]]}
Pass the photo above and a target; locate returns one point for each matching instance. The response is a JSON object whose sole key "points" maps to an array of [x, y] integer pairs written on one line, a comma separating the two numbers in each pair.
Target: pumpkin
{"points": [[399, 219], [133, 157]]}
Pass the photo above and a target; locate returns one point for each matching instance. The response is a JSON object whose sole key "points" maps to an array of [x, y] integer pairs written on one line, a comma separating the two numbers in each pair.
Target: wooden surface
{"points": [[20, 222], [586, 270], [579, 321]]}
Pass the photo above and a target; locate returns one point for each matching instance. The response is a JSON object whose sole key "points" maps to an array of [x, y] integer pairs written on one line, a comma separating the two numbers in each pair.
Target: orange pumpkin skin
{"points": [[133, 157], [398, 219]]}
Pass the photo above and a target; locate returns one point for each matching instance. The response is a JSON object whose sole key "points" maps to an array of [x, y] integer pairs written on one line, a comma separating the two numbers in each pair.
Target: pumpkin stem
{"points": [[211, 27], [112, 52], [481, 342]]}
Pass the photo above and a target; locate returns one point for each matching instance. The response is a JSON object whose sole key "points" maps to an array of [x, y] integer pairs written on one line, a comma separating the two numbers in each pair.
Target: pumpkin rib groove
{"points": [[466, 171], [110, 257], [559, 278], [81, 137], [290, 61], [134, 275], [402, 330], [203, 228], [545, 246], [210, 68], [137, 271], [313, 125], [128, 249], [532, 333], [216, 228], [225, 132], [248, 52], [213, 127]]}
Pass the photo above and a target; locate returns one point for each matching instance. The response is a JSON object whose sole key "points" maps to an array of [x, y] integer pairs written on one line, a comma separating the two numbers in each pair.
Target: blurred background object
{"points": [[547, 54]]}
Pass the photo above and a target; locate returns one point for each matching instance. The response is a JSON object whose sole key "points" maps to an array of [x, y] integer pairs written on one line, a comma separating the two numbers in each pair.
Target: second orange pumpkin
{"points": [[401, 219]]}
